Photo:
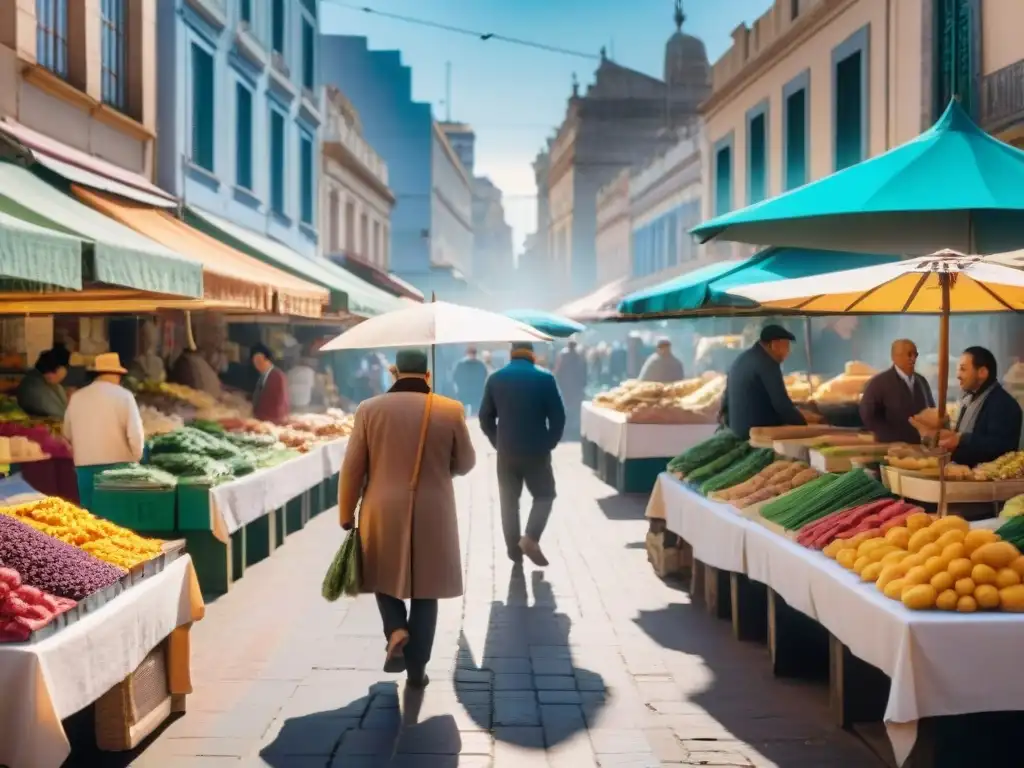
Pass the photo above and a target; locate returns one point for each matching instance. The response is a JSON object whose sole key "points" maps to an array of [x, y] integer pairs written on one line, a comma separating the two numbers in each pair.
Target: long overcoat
{"points": [[407, 553]]}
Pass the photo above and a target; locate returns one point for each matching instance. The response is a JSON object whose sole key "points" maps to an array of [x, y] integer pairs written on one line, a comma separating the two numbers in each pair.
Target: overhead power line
{"points": [[483, 36]]}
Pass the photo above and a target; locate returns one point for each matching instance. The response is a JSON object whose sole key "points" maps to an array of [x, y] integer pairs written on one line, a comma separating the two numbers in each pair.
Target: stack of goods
{"points": [[52, 565], [1009, 466], [822, 496], [1014, 507], [14, 450], [847, 387], [156, 422], [867, 520], [135, 477], [800, 386], [174, 398], [940, 564], [691, 401], [703, 453], [912, 459], [193, 455], [745, 467], [1013, 381], [332, 425], [25, 609], [47, 440], [75, 526], [777, 478]]}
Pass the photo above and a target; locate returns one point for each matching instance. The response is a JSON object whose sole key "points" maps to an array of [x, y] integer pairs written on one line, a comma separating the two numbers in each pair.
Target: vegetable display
{"points": [[1013, 531], [713, 467], [747, 467], [194, 441], [25, 609], [773, 481], [135, 476], [822, 496], [52, 565], [875, 517], [191, 466], [73, 525], [703, 452]]}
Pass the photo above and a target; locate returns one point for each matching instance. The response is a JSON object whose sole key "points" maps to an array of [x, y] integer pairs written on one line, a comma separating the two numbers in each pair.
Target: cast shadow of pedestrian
{"points": [[375, 727], [526, 677]]}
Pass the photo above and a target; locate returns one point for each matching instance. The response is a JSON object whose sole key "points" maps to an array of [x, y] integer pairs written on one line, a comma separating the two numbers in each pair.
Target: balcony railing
{"points": [[1002, 97], [339, 131]]}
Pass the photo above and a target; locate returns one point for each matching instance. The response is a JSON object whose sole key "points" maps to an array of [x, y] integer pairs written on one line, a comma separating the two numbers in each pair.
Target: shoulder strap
{"points": [[423, 441]]}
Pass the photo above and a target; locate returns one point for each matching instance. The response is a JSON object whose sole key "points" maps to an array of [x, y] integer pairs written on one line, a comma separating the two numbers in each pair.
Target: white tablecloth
{"points": [[333, 452], [236, 504], [45, 682], [939, 663], [613, 434]]}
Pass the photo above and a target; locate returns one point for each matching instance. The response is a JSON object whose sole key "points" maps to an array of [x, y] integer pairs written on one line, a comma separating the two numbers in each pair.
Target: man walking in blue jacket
{"points": [[523, 417]]}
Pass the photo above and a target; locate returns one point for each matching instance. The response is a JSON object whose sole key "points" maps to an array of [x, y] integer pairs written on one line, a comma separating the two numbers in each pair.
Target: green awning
{"points": [[37, 255], [114, 254], [348, 292]]}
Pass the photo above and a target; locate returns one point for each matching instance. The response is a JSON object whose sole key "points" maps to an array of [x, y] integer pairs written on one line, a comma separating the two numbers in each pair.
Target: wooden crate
{"points": [[926, 489], [135, 707]]}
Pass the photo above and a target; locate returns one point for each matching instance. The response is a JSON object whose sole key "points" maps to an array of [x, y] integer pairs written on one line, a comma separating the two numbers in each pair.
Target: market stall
{"points": [[883, 582]]}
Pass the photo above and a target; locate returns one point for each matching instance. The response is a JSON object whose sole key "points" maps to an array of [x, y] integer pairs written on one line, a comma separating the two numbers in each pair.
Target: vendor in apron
{"points": [[103, 425]]}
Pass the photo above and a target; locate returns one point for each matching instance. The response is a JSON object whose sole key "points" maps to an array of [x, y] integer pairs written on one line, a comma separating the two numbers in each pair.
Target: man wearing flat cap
{"points": [[405, 448], [755, 393], [523, 416]]}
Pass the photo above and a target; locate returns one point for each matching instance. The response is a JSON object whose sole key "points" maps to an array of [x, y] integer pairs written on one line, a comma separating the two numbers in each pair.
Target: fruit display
{"points": [[702, 453], [873, 519], [822, 496], [938, 564], [156, 422], [1009, 466], [690, 401], [135, 476], [739, 472], [52, 565], [178, 392], [1014, 507], [847, 387], [25, 609], [73, 525]]}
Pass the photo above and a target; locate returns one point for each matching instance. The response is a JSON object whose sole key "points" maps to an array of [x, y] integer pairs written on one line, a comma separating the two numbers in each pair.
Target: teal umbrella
{"points": [[954, 186], [546, 322], [707, 289]]}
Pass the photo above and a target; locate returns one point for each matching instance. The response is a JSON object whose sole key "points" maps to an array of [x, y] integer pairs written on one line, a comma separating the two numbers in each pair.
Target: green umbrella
{"points": [[546, 322], [706, 289], [954, 186]]}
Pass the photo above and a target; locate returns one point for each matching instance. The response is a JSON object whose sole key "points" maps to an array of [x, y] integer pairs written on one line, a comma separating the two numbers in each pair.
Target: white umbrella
{"points": [[437, 322]]}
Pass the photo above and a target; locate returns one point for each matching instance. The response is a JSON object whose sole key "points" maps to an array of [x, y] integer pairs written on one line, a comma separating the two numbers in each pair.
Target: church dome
{"points": [[686, 58]]}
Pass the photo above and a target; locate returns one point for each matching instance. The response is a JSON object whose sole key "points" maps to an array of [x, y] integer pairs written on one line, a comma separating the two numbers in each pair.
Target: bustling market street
{"points": [[592, 661]]}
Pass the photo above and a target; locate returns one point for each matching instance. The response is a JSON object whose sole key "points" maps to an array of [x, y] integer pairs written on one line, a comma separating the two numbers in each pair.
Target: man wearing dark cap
{"points": [[755, 395], [523, 417]]}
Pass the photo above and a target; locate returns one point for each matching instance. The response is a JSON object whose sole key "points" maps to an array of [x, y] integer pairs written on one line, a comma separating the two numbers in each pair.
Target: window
{"points": [[849, 79], [333, 215], [245, 11], [243, 137], [957, 51], [364, 237], [757, 155], [308, 54], [52, 35], [277, 25], [350, 228], [794, 148], [672, 224], [115, 62], [306, 185], [723, 179], [376, 244], [794, 9], [202, 108], [276, 162]]}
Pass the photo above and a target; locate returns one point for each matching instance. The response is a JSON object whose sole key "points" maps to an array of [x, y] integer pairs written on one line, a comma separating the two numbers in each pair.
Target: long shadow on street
{"points": [[526, 677]]}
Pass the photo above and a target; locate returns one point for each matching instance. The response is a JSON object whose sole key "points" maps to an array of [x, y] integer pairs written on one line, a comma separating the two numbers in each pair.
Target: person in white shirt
{"points": [[301, 384], [103, 425]]}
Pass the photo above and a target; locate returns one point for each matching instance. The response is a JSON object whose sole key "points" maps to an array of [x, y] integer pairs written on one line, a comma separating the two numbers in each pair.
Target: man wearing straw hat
{"points": [[103, 425]]}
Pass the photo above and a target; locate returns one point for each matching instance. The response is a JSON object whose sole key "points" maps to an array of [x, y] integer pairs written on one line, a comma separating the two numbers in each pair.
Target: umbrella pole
{"points": [[807, 349], [943, 383], [433, 350]]}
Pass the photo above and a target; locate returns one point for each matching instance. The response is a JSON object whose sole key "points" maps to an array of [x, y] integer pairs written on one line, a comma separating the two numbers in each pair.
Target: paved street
{"points": [[591, 662]]}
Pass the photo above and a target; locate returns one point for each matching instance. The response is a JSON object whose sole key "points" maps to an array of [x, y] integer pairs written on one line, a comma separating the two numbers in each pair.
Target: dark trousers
{"points": [[536, 473], [421, 623]]}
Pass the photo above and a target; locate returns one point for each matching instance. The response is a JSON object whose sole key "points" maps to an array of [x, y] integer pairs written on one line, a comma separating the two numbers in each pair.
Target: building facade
{"points": [[355, 199], [614, 228], [83, 72], [239, 113], [987, 30], [462, 139], [664, 204], [431, 223], [493, 254], [621, 120]]}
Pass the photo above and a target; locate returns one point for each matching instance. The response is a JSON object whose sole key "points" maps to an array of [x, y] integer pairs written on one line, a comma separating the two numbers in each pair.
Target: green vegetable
{"points": [[189, 465], [135, 476], [191, 440], [713, 467], [821, 497], [739, 472], [700, 454], [1013, 531], [208, 426]]}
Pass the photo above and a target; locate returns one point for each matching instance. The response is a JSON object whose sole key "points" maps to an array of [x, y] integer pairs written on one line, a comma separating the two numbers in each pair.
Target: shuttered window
{"points": [[277, 161], [849, 111], [243, 137], [202, 108], [307, 187], [796, 139], [723, 180], [757, 158]]}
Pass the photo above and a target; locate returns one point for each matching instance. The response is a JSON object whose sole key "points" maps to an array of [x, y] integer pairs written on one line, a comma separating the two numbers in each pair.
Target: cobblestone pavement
{"points": [[593, 661]]}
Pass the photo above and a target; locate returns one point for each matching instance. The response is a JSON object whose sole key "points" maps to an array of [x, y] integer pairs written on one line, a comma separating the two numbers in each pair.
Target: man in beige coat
{"points": [[407, 519]]}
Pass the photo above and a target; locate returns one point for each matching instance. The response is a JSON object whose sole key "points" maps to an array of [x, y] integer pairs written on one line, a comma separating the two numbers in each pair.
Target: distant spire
{"points": [[575, 85], [679, 16]]}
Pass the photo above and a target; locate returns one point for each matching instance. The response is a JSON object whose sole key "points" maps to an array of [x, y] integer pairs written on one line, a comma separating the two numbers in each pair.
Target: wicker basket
{"points": [[132, 709]]}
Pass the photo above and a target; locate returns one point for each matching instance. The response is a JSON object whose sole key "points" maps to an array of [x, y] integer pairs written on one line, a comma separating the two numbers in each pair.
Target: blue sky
{"points": [[515, 96]]}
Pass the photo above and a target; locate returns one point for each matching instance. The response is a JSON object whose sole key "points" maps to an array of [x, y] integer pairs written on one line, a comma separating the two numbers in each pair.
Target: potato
{"points": [[1012, 598], [920, 597], [998, 554], [966, 604], [954, 551], [917, 521], [950, 537], [861, 563], [930, 550], [951, 523], [947, 600], [899, 537], [960, 568], [888, 574], [920, 538], [894, 589], [1018, 566], [869, 546], [917, 575], [983, 574], [1007, 577], [833, 549], [964, 586], [895, 557], [871, 572], [914, 560], [877, 554], [942, 581], [934, 565], [847, 557], [978, 538], [987, 596]]}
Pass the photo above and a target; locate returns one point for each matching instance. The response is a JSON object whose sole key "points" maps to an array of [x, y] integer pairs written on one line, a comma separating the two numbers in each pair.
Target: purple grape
{"points": [[51, 565]]}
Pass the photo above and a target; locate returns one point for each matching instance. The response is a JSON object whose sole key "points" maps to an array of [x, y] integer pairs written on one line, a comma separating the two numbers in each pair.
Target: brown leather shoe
{"points": [[395, 660], [531, 549]]}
